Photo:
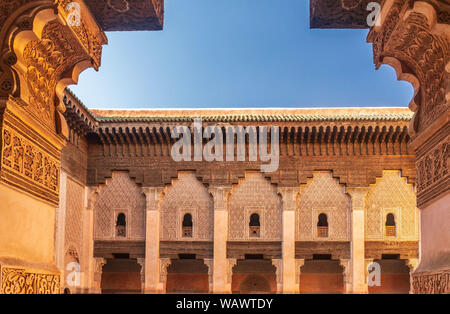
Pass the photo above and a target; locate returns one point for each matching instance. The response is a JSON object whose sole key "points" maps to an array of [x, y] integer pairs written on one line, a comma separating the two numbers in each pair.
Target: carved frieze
{"points": [[27, 164], [432, 171], [433, 283], [19, 281]]}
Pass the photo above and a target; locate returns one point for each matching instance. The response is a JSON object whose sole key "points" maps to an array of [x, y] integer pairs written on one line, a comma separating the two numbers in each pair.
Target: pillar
{"points": [[152, 267], [88, 269], [164, 264], [210, 263], [141, 261], [98, 270], [278, 263], [231, 262], [220, 282], [347, 272], [298, 270], [288, 277], [358, 272]]}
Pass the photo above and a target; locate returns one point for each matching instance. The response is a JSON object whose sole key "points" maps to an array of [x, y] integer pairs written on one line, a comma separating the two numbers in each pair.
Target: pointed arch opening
{"points": [[254, 226], [187, 226], [390, 225], [121, 225], [322, 226]]}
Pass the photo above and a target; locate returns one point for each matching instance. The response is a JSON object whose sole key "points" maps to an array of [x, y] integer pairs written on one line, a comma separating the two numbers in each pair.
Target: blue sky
{"points": [[239, 53]]}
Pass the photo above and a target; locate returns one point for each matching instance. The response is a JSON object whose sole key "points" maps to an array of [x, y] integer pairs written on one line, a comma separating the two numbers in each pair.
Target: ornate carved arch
{"points": [[41, 54], [416, 45]]}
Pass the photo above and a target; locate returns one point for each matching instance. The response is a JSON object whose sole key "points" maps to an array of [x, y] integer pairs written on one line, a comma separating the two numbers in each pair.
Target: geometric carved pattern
{"points": [[46, 60], [391, 194], [186, 195], [437, 283], [119, 194], [432, 169], [25, 159], [18, 281], [322, 194], [74, 218], [254, 194]]}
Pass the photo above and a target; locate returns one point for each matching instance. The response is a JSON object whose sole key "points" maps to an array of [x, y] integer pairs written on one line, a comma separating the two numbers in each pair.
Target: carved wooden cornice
{"points": [[128, 15], [339, 13], [354, 13]]}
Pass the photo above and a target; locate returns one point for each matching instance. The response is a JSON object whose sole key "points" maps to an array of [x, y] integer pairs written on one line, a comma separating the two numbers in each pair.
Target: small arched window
{"points": [[390, 225], [187, 226], [322, 226], [121, 225], [255, 226]]}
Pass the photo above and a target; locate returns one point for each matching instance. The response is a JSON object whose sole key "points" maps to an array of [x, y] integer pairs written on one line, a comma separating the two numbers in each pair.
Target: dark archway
{"points": [[255, 284], [121, 276]]}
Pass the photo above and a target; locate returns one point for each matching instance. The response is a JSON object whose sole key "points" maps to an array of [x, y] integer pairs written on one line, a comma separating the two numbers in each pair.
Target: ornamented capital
{"points": [[358, 195], [220, 196], [289, 197]]}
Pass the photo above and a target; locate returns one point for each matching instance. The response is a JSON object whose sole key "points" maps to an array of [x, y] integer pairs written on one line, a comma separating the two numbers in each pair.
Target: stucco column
{"points": [[141, 262], [164, 264], [289, 196], [98, 270], [347, 272], [152, 282], [89, 269], [220, 263], [231, 262], [358, 196], [298, 265], [278, 263], [210, 263]]}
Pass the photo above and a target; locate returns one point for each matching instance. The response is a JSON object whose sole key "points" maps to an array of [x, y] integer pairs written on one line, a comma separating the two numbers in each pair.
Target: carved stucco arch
{"points": [[411, 40], [334, 202], [135, 208], [271, 229], [197, 202], [41, 55], [399, 198]]}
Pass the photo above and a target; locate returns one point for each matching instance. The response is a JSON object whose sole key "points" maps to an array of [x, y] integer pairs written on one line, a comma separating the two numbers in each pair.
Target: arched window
{"points": [[390, 225], [187, 226], [121, 225], [255, 226], [322, 226]]}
